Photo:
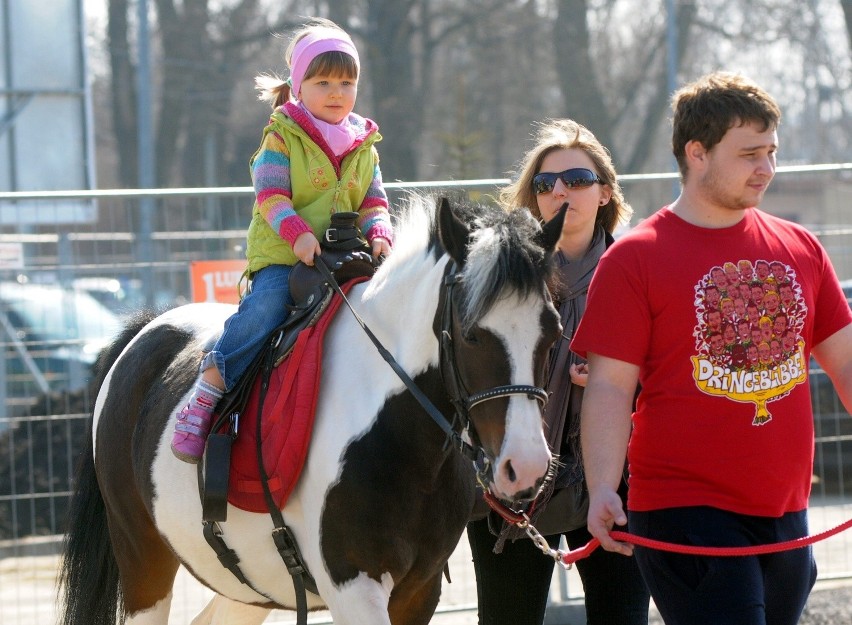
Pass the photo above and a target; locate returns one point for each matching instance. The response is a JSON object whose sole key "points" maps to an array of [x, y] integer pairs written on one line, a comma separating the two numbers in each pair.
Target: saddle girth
{"points": [[348, 256]]}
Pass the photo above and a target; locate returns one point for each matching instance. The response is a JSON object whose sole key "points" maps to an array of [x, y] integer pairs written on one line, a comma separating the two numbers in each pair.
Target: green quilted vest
{"points": [[317, 191]]}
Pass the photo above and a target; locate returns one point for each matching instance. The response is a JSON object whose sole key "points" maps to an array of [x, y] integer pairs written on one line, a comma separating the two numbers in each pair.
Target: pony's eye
{"points": [[470, 337]]}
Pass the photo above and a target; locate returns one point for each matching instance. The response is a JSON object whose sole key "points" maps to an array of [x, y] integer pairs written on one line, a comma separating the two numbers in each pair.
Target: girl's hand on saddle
{"points": [[579, 373], [381, 248], [306, 247]]}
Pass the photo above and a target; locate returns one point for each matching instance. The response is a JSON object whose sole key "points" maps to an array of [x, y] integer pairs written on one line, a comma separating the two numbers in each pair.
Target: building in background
{"points": [[46, 136]]}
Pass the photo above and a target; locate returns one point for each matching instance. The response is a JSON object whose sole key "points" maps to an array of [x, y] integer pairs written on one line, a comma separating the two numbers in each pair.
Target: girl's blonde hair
{"points": [[564, 134], [277, 91]]}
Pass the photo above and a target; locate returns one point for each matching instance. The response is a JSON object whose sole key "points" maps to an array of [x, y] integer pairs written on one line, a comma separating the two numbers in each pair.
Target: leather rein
{"points": [[461, 399]]}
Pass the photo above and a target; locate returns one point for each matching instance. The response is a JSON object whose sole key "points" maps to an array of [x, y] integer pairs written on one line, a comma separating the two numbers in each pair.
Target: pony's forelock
{"points": [[482, 255], [504, 259]]}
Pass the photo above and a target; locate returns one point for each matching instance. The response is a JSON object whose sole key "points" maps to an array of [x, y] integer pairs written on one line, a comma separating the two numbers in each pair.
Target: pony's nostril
{"points": [[510, 471]]}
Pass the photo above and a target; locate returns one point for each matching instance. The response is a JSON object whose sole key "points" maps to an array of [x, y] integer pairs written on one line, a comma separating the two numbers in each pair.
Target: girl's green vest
{"points": [[317, 191]]}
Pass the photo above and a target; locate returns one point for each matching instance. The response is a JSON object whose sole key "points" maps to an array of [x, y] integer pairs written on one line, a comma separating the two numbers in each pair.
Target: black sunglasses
{"points": [[577, 178]]}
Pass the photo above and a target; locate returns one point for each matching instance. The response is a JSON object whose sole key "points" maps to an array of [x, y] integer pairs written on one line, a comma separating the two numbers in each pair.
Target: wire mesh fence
{"points": [[72, 264]]}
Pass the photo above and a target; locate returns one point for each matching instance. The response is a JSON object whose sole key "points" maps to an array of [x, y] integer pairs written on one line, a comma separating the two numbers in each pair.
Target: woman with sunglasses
{"points": [[567, 164]]}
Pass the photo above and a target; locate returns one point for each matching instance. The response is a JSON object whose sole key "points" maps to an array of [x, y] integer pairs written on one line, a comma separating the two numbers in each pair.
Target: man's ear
{"points": [[695, 152]]}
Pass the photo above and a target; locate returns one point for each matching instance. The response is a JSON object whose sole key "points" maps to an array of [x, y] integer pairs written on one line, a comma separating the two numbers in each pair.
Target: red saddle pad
{"points": [[287, 421]]}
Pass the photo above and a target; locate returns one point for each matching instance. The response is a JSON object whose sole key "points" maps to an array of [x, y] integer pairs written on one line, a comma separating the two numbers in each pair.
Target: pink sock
{"points": [[206, 396]]}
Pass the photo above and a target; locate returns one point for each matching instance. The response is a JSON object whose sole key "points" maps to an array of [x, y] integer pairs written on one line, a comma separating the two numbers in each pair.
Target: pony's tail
{"points": [[88, 580], [88, 583], [272, 89]]}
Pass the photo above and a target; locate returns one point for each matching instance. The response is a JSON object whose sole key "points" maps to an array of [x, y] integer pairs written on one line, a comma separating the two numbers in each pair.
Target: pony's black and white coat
{"points": [[382, 501]]}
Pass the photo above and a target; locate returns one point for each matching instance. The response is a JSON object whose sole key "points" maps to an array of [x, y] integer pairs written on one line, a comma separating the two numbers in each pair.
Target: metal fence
{"points": [[108, 253]]}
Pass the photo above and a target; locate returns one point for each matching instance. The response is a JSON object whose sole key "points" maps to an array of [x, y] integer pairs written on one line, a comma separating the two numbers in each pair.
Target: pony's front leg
{"points": [[158, 614], [361, 600], [224, 611]]}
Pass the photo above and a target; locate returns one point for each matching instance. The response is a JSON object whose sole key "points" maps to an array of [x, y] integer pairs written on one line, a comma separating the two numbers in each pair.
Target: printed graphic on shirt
{"points": [[748, 333]]}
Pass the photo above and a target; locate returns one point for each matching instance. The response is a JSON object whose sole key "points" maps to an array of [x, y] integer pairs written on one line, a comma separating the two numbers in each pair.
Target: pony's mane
{"points": [[416, 227], [503, 257]]}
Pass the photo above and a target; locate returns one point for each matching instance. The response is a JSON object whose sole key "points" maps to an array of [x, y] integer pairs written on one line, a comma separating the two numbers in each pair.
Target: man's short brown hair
{"points": [[706, 109]]}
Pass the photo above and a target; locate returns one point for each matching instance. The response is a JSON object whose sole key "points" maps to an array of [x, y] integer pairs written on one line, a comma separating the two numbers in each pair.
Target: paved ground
{"points": [[27, 593], [27, 598], [828, 604]]}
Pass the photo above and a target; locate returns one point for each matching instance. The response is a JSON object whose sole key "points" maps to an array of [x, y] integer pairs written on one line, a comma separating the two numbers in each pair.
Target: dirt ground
{"points": [[830, 606], [27, 598], [827, 605], [27, 593]]}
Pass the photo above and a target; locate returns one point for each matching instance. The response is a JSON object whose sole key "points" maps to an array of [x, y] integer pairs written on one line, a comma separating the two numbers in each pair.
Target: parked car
{"points": [[126, 295], [846, 285], [50, 337], [120, 296]]}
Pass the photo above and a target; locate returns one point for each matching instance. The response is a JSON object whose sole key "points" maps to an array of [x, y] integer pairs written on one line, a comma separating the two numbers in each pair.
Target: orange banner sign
{"points": [[216, 280]]}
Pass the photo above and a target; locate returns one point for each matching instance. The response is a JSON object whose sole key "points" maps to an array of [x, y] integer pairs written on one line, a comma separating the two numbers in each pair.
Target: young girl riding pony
{"points": [[316, 158]]}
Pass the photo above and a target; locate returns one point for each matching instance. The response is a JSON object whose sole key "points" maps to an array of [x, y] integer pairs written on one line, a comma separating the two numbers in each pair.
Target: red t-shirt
{"points": [[721, 323]]}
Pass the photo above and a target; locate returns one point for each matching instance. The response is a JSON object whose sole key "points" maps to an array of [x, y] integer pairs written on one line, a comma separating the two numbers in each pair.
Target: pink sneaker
{"points": [[191, 429]]}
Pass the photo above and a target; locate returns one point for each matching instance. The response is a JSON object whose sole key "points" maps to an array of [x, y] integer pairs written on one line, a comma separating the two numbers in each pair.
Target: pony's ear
{"points": [[454, 233], [552, 230]]}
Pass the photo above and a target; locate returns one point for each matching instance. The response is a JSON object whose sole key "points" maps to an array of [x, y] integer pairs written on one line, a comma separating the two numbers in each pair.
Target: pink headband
{"points": [[311, 46]]}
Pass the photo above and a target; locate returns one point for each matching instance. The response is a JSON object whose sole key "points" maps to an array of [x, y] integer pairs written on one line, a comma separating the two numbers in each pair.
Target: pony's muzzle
{"points": [[518, 476]]}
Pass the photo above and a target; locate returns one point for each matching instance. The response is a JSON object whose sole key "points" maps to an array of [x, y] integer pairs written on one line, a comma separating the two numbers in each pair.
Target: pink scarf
{"points": [[339, 137]]}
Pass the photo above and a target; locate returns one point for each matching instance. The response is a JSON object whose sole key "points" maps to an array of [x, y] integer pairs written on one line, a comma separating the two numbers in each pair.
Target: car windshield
{"points": [[49, 313]]}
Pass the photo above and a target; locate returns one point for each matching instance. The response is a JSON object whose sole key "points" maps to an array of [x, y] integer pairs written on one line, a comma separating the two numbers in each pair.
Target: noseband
{"points": [[460, 396], [461, 399]]}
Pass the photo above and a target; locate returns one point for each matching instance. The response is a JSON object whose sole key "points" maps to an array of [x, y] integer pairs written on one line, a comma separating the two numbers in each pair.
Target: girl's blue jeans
{"points": [[262, 310]]}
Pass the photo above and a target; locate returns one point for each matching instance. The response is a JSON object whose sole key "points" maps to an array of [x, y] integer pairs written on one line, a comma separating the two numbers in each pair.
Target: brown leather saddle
{"points": [[312, 293], [347, 254]]}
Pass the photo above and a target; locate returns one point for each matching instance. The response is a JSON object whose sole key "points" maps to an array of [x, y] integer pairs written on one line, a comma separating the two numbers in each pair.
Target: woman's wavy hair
{"points": [[564, 134]]}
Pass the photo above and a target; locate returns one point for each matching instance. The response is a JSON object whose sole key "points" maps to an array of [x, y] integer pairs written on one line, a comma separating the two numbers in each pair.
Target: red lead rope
{"points": [[570, 557], [567, 558]]}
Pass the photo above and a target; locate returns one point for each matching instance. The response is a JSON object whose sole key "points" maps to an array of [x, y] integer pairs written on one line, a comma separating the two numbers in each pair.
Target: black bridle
{"points": [[460, 396], [461, 399]]}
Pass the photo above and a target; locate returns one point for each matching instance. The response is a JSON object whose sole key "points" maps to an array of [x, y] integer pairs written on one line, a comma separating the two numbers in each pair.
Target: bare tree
{"points": [[389, 32], [479, 61], [621, 94], [456, 84], [123, 91], [403, 40], [846, 5], [201, 57]]}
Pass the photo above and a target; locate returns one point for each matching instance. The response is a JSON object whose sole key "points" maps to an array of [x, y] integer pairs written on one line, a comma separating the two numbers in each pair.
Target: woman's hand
{"points": [[306, 247], [579, 373]]}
